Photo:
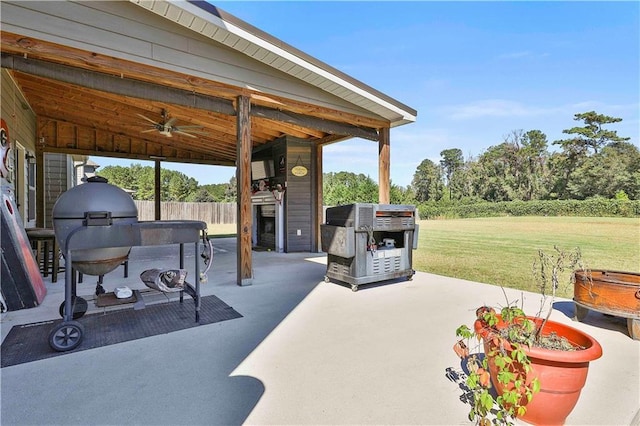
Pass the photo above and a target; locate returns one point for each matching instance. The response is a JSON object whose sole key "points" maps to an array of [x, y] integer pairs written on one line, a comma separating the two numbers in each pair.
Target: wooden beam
{"points": [[116, 84], [384, 162], [20, 45], [243, 180], [155, 92], [327, 126], [102, 143]]}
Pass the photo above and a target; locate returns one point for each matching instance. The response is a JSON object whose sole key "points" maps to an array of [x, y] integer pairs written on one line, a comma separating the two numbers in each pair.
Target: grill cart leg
{"points": [[68, 334]]}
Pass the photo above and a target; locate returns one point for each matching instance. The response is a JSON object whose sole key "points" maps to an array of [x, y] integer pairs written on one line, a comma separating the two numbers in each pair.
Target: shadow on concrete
{"points": [[594, 318], [143, 381]]}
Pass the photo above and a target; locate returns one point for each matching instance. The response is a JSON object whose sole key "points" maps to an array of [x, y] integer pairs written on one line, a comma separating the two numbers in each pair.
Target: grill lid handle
{"points": [[99, 179], [97, 219]]}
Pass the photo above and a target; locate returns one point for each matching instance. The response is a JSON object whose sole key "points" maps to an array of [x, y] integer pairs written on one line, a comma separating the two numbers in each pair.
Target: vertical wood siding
{"points": [[298, 198]]}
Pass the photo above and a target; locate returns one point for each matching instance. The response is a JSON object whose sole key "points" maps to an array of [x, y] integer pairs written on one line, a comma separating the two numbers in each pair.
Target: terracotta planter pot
{"points": [[562, 374]]}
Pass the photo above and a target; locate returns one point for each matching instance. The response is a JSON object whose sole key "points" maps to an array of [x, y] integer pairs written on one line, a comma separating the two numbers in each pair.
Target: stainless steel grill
{"points": [[366, 243]]}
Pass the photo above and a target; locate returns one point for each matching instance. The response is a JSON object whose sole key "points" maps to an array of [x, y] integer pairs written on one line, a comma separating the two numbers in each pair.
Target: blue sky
{"points": [[474, 71]]}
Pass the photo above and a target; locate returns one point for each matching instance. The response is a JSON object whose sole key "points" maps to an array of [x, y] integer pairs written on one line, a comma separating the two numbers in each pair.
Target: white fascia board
{"points": [[198, 13]]}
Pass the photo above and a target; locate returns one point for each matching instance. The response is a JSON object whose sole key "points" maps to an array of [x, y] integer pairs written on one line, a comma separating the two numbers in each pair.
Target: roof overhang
{"points": [[248, 40], [89, 92]]}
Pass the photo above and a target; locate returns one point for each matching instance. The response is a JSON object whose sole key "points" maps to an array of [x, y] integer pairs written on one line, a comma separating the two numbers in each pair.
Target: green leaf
{"points": [[535, 385], [464, 331], [486, 400]]}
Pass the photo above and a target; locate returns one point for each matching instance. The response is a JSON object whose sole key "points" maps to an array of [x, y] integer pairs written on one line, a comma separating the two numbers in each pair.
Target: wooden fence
{"points": [[217, 213]]}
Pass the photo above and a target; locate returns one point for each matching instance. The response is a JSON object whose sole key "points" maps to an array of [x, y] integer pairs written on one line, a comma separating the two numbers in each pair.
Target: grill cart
{"points": [[368, 243], [96, 224]]}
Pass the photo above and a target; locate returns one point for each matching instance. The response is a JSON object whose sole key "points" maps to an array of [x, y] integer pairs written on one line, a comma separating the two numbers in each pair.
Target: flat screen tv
{"points": [[262, 169]]}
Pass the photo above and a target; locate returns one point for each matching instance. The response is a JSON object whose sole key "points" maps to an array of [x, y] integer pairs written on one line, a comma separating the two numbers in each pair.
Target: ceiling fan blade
{"points": [[147, 131], [147, 118], [170, 122], [183, 133], [195, 132]]}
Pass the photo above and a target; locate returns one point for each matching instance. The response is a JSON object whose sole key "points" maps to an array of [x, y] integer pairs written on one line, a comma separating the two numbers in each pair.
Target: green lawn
{"points": [[501, 251]]}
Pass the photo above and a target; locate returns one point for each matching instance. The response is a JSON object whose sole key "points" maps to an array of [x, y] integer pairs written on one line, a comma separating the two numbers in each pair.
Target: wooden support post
{"points": [[158, 186], [316, 244], [384, 164], [243, 180]]}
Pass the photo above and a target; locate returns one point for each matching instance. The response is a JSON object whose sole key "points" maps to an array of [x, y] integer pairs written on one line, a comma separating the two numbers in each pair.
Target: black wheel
{"points": [[354, 288], [66, 336], [326, 279], [80, 307]]}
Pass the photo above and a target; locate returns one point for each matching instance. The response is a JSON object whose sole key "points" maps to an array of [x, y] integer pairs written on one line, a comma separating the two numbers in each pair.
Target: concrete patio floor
{"points": [[305, 352]]}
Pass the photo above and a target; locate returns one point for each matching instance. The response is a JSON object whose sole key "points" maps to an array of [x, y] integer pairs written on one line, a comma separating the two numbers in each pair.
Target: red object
{"points": [[562, 374], [22, 286], [5, 147]]}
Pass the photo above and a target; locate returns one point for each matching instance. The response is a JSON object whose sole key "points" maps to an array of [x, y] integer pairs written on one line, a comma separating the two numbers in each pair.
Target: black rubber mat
{"points": [[30, 342]]}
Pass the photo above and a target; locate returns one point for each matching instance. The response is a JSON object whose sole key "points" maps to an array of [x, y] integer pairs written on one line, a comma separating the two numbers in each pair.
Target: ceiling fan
{"points": [[166, 126]]}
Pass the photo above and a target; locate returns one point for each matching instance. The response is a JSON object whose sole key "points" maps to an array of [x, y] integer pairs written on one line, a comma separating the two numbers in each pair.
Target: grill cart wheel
{"points": [[66, 336], [80, 307]]}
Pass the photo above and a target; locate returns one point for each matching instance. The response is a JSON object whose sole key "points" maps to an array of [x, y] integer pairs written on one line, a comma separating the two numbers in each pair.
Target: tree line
{"points": [[592, 161], [174, 185]]}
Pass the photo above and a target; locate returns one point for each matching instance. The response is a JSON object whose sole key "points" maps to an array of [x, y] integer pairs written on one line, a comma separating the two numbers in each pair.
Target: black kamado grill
{"points": [[96, 203], [96, 224]]}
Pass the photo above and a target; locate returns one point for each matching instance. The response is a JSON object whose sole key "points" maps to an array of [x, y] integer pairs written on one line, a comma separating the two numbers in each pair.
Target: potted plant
{"points": [[531, 368]]}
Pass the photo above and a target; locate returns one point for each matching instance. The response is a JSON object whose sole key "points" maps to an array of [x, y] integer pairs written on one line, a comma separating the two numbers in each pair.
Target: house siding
{"points": [[55, 182], [124, 30], [299, 201], [21, 124]]}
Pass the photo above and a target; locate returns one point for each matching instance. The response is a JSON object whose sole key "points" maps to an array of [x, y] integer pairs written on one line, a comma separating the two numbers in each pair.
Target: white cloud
{"points": [[513, 55], [508, 108], [491, 108], [522, 54]]}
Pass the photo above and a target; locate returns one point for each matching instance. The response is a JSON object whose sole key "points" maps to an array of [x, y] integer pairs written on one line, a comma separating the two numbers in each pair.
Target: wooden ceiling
{"points": [[91, 104]]}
